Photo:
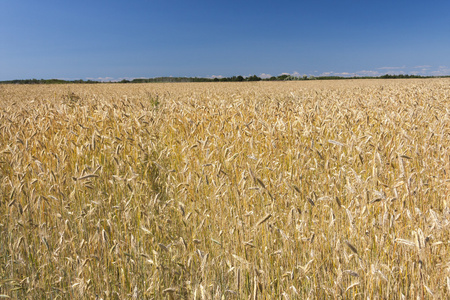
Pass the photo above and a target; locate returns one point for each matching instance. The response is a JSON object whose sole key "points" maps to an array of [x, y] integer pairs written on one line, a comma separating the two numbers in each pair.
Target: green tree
{"points": [[253, 78]]}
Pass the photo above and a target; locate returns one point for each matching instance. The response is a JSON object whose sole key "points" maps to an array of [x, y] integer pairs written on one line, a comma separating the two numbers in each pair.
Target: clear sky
{"points": [[115, 39]]}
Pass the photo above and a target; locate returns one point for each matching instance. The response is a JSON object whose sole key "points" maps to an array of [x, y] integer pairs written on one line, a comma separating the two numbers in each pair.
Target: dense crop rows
{"points": [[293, 190]]}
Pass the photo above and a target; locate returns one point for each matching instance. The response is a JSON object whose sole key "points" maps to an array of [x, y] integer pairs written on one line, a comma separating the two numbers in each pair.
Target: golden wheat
{"points": [[301, 190]]}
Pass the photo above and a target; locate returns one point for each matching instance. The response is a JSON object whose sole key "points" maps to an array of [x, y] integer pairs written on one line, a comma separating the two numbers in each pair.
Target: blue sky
{"points": [[111, 40]]}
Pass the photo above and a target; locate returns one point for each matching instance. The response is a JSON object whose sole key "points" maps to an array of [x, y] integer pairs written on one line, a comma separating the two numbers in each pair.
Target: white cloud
{"points": [[264, 75], [100, 78], [362, 73], [422, 70], [368, 73], [441, 71], [108, 79], [295, 74], [216, 76], [391, 68], [424, 67], [342, 74]]}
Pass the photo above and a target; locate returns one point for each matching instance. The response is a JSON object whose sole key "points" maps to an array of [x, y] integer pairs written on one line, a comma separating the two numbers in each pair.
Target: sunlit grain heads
{"points": [[316, 190]]}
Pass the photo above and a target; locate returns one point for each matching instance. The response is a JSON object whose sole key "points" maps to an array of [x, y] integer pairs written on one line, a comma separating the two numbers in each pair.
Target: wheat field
{"points": [[265, 190]]}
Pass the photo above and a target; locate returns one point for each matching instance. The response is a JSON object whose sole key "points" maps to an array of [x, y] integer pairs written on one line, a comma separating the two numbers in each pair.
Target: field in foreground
{"points": [[293, 190]]}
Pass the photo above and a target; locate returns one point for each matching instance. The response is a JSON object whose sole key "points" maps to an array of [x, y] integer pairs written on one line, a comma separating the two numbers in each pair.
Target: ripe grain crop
{"points": [[286, 190]]}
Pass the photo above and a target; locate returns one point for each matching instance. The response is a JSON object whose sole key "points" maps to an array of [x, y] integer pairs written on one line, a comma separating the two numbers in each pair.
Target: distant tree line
{"points": [[387, 76], [46, 81], [239, 78], [193, 79]]}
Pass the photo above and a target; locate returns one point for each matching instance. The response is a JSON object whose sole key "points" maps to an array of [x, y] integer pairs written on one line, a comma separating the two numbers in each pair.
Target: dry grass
{"points": [[291, 190]]}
